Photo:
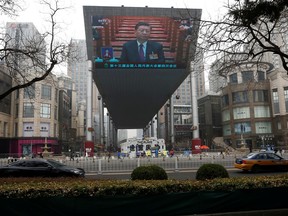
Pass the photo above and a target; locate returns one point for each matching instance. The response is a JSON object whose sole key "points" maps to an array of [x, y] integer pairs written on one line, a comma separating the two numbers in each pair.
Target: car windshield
{"points": [[55, 163], [274, 156], [250, 155], [17, 163]]}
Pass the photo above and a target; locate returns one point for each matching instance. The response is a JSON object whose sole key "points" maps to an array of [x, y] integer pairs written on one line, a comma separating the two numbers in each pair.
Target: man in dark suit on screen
{"points": [[142, 49]]}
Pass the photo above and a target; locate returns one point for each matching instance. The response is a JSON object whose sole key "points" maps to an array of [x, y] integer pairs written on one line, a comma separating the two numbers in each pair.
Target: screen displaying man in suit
{"points": [[142, 49]]}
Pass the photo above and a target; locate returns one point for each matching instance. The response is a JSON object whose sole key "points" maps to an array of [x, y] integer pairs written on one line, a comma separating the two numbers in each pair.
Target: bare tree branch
{"points": [[31, 57], [248, 32], [9, 7]]}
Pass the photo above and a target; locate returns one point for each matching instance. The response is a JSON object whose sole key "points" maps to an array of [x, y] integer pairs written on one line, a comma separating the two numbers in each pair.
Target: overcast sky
{"points": [[73, 17]]}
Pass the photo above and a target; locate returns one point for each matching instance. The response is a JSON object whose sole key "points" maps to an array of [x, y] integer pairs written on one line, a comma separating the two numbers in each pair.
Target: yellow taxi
{"points": [[261, 161]]}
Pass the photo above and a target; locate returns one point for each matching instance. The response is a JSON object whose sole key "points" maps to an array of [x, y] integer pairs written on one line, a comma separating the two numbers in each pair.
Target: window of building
{"points": [[260, 96], [241, 112], [261, 75], [46, 92], [242, 128], [55, 131], [262, 111], [55, 112], [28, 110], [28, 129], [226, 130], [240, 97], [225, 100], [44, 129], [45, 111], [29, 92], [233, 78], [226, 115], [247, 76], [5, 129], [16, 110], [286, 98], [263, 127], [16, 130], [275, 97], [56, 95], [17, 94], [279, 127]]}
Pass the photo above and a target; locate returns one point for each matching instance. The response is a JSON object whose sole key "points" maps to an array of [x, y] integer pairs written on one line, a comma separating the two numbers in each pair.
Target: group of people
{"points": [[157, 153]]}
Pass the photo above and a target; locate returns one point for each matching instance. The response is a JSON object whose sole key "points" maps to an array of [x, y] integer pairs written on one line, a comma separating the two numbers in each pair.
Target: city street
{"points": [[180, 175], [179, 167]]}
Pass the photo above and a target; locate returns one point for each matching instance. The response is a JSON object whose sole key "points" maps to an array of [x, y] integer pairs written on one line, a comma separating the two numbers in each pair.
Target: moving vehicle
{"points": [[39, 168], [261, 161]]}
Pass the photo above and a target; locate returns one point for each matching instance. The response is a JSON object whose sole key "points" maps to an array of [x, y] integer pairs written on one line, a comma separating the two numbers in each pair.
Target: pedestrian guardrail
{"points": [[176, 163]]}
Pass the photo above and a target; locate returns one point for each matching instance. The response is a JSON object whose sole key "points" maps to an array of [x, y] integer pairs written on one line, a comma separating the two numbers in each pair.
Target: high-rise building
{"points": [[67, 115], [78, 68], [182, 106], [182, 96], [24, 36]]}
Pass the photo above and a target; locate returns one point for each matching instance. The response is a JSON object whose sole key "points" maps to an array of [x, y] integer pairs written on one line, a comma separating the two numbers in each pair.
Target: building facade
{"points": [[210, 118], [37, 117], [246, 106]]}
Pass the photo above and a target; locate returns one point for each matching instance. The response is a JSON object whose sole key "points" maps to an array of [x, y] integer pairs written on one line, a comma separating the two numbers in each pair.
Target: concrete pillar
{"points": [[89, 103]]}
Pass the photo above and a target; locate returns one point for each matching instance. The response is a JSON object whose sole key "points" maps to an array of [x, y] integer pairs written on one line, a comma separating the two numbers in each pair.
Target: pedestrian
{"points": [[148, 153], [156, 152], [171, 152], [72, 156]]}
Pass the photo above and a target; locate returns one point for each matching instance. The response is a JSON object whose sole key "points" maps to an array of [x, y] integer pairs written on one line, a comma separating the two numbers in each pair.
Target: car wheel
{"points": [[255, 168]]}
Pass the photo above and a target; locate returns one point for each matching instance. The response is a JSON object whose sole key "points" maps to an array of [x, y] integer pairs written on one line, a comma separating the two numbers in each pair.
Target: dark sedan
{"points": [[261, 161], [39, 168]]}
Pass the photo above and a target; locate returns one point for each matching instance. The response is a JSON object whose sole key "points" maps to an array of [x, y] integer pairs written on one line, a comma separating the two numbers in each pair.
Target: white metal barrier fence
{"points": [[113, 164]]}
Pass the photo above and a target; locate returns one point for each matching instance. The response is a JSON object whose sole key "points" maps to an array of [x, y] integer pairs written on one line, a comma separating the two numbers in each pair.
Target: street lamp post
{"points": [[100, 120], [172, 120], [243, 144]]}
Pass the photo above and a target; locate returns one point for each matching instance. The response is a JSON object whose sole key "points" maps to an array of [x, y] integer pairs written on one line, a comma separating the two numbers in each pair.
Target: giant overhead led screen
{"points": [[136, 78], [117, 41]]}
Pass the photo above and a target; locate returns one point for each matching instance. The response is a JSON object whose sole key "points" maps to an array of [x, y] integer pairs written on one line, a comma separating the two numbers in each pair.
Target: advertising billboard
{"points": [[117, 40]]}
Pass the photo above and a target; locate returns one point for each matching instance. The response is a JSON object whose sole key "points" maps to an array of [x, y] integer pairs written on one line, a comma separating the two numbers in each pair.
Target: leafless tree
{"points": [[249, 31], [29, 58], [9, 7]]}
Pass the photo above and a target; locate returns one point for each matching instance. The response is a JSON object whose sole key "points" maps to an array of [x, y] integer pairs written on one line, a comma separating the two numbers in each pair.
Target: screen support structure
{"points": [[89, 102]]}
